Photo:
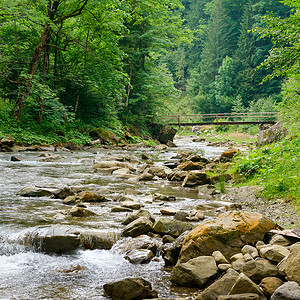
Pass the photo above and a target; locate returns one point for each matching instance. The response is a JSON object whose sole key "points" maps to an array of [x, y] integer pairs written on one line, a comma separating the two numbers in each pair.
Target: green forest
{"points": [[68, 66]]}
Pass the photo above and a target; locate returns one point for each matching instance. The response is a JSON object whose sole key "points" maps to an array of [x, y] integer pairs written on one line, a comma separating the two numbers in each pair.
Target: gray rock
{"points": [[139, 256], [165, 225], [121, 209], [279, 239], [246, 296], [243, 285], [166, 134], [169, 211], [32, 191], [288, 291], [129, 289], [194, 273], [256, 270], [124, 246], [98, 239], [251, 250], [79, 212], [139, 226], [136, 215], [220, 287], [181, 216], [54, 239], [132, 205], [292, 263], [274, 252]]}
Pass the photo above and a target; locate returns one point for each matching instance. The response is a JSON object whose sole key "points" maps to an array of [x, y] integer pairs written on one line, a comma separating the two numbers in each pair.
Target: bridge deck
{"points": [[220, 119]]}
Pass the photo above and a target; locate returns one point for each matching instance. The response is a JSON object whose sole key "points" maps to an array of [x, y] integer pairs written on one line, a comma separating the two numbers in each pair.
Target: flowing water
{"points": [[29, 274]]}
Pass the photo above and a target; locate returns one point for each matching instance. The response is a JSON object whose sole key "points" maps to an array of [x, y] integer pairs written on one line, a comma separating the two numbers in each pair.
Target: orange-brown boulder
{"points": [[228, 234]]}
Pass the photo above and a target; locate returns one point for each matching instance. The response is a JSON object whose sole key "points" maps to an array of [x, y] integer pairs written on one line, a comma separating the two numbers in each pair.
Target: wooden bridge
{"points": [[220, 119]]}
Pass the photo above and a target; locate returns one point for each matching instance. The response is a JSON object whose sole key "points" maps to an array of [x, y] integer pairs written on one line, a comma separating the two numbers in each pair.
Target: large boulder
{"points": [[272, 134], [53, 239], [220, 287], [228, 234], [130, 289], [194, 273], [166, 134], [172, 227]]}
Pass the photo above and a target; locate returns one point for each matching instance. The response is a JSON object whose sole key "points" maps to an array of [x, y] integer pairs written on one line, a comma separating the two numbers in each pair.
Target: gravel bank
{"points": [[280, 212]]}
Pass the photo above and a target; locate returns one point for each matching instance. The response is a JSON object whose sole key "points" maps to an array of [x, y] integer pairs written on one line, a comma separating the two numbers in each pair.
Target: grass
{"points": [[276, 167]]}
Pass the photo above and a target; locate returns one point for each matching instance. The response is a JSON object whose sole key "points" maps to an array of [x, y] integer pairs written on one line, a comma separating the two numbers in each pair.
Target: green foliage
{"points": [[276, 167]]}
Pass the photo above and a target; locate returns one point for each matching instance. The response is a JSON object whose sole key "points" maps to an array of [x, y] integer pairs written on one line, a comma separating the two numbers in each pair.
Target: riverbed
{"points": [[29, 274]]}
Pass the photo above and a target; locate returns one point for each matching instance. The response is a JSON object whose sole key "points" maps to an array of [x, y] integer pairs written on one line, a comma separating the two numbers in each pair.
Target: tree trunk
{"points": [[32, 66]]}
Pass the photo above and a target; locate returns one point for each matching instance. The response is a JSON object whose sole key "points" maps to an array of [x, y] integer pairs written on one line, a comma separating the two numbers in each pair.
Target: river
{"points": [[27, 274]]}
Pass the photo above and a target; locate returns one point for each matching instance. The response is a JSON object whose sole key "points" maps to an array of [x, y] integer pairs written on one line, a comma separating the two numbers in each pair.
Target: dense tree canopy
{"points": [[112, 61]]}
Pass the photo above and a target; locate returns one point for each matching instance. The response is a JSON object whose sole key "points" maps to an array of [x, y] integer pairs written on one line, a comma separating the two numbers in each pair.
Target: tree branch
{"points": [[75, 13]]}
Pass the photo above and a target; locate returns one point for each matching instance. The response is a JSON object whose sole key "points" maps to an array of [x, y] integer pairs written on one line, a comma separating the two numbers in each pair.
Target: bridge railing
{"points": [[219, 118]]}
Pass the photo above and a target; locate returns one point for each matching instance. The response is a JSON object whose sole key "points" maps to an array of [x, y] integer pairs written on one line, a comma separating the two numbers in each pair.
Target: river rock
{"points": [[171, 250], [139, 226], [121, 171], [139, 256], [7, 141], [121, 209], [220, 287], [49, 157], [274, 252], [32, 191], [194, 178], [246, 296], [145, 177], [71, 200], [166, 134], [91, 197], [281, 240], [132, 205], [181, 216], [243, 285], [259, 269], [248, 249], [198, 158], [169, 211], [98, 239], [270, 284], [164, 225], [80, 212], [288, 291], [64, 192], [113, 164], [228, 234], [136, 215], [219, 257], [16, 158], [125, 245], [292, 263], [177, 175], [189, 166], [159, 171], [130, 289], [54, 239], [194, 273], [160, 197]]}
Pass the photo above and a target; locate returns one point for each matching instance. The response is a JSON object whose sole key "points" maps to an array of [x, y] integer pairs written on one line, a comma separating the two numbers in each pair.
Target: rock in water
{"points": [[130, 289], [228, 234], [166, 134]]}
